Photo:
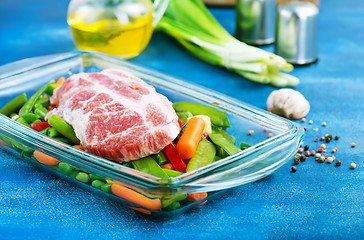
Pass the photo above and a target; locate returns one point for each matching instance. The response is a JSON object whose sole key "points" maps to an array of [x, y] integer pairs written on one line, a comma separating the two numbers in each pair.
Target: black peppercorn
{"points": [[293, 169], [338, 163], [306, 147], [296, 161], [303, 158], [336, 137]]}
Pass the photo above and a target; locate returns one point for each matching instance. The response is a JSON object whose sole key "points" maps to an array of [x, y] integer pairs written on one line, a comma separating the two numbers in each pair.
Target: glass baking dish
{"points": [[275, 140]]}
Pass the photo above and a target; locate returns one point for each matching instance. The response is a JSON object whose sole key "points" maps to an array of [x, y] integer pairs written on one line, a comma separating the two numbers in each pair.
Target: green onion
{"points": [[190, 23]]}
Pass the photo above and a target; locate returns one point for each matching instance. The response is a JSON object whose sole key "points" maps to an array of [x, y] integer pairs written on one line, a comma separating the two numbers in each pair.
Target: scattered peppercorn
{"points": [[303, 120], [296, 161], [270, 135], [322, 159], [334, 150], [353, 145], [310, 122], [306, 147], [322, 138], [305, 128], [323, 146], [251, 132], [324, 124], [307, 154], [317, 155], [336, 137], [297, 155], [313, 153], [352, 165], [300, 150], [293, 169], [302, 158], [329, 160], [338, 163], [316, 129], [316, 140]]}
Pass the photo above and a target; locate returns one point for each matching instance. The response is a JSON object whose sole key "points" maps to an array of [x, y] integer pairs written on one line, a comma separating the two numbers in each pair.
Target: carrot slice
{"points": [[187, 144], [132, 196], [167, 166], [45, 159]]}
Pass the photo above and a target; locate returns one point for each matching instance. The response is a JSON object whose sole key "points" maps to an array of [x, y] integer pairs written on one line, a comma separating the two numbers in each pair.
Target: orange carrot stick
{"points": [[196, 196], [45, 159], [167, 166], [131, 196], [187, 144]]}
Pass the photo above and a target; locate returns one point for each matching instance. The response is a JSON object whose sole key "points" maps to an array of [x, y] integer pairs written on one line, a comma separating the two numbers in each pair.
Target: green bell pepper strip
{"points": [[205, 154], [63, 128], [150, 166], [28, 106], [14, 105], [217, 117]]}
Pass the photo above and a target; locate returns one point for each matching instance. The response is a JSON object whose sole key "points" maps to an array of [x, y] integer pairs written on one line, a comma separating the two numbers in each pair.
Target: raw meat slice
{"points": [[115, 114]]}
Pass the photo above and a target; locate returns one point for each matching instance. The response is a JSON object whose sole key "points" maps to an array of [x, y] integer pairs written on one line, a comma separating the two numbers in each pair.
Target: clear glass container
{"points": [[266, 155]]}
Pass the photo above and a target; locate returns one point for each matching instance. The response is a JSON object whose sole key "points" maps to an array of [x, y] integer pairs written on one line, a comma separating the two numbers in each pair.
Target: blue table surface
{"points": [[319, 201]]}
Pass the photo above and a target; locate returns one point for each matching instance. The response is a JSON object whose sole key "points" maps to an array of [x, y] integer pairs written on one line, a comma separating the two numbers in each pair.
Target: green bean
{"points": [[63, 128], [150, 166], [160, 158], [53, 133], [128, 164], [30, 117], [217, 117], [64, 140], [168, 201], [173, 206], [45, 131], [221, 152], [96, 177], [171, 173], [204, 155], [40, 110], [28, 106], [224, 143], [22, 121], [244, 145], [14, 105], [43, 101], [228, 137], [49, 90]]}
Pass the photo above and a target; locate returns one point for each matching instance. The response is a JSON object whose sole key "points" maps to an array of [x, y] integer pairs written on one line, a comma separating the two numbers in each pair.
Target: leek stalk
{"points": [[191, 24]]}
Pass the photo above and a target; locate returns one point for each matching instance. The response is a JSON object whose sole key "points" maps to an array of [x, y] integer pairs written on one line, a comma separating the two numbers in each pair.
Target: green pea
{"points": [[96, 177], [65, 168], [82, 177], [106, 187], [97, 183]]}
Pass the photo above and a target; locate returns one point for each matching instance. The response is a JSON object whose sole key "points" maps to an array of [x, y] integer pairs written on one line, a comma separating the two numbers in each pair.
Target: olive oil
{"points": [[111, 36]]}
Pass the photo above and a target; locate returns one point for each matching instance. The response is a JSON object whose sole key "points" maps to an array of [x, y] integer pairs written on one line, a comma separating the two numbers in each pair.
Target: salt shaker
{"points": [[255, 21], [296, 32]]}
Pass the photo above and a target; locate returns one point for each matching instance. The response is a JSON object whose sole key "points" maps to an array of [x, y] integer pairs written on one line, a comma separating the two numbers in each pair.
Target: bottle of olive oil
{"points": [[117, 27]]}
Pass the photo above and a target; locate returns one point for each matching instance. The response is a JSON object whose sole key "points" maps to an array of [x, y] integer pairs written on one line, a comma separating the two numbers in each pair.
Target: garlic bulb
{"points": [[288, 103]]}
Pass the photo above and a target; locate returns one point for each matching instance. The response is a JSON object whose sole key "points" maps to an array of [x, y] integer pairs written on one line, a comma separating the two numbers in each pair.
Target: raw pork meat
{"points": [[115, 114]]}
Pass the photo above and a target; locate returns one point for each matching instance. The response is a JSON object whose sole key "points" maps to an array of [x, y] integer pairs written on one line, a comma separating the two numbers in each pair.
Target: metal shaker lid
{"points": [[296, 32]]}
